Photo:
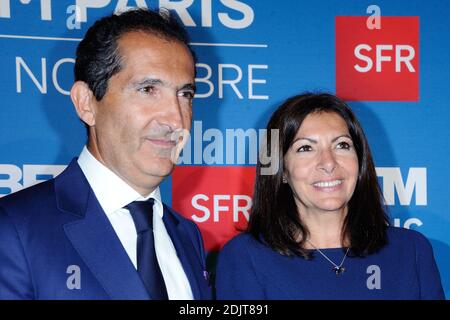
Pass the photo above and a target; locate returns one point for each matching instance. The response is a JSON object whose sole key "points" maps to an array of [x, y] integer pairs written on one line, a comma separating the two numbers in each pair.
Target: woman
{"points": [[318, 229]]}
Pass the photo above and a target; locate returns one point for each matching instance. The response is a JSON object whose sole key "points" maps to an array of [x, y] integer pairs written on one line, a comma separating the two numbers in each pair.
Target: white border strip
{"points": [[200, 44], [9, 36]]}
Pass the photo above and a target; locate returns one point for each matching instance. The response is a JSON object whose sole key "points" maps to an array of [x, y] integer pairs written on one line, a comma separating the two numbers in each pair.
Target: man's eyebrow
{"points": [[159, 82], [189, 86], [148, 82]]}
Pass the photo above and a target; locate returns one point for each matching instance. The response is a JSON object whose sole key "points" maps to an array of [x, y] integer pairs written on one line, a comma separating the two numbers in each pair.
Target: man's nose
{"points": [[172, 114]]}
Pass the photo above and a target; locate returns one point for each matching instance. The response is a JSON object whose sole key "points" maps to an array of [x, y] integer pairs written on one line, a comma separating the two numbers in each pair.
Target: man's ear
{"points": [[83, 100]]}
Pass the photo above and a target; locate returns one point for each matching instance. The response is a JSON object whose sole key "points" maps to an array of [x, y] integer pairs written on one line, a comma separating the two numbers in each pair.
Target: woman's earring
{"points": [[284, 180]]}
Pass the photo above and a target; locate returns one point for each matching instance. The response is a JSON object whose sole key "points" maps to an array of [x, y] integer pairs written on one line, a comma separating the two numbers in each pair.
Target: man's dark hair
{"points": [[98, 57], [275, 218]]}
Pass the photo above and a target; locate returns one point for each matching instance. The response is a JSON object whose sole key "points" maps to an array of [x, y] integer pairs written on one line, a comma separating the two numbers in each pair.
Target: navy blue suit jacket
{"points": [[46, 229]]}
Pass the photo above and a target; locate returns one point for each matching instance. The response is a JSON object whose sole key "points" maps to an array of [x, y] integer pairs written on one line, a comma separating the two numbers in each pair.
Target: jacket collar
{"points": [[107, 259], [94, 238]]}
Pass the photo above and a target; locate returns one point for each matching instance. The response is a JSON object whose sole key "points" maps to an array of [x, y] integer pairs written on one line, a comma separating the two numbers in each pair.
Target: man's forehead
{"points": [[145, 56], [141, 47], [145, 39]]}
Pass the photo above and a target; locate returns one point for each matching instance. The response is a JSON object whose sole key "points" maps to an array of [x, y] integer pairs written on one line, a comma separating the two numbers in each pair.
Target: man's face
{"points": [[145, 105]]}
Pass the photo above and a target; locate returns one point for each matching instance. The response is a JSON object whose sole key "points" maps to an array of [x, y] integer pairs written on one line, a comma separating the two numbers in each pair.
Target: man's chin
{"points": [[161, 168]]}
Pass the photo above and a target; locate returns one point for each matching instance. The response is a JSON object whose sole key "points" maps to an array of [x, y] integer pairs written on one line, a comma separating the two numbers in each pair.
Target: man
{"points": [[99, 230]]}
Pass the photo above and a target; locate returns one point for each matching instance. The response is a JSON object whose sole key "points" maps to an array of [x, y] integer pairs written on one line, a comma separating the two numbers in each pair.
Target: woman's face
{"points": [[321, 166]]}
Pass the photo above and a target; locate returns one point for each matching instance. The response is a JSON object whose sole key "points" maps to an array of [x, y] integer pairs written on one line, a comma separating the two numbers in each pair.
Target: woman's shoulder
{"points": [[246, 245], [241, 241], [406, 237]]}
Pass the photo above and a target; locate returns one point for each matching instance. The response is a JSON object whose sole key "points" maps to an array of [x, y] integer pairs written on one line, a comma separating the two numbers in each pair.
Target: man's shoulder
{"points": [[28, 208], [30, 196], [38, 194]]}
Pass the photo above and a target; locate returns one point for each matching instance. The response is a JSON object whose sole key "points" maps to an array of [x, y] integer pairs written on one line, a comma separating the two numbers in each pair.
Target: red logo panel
{"points": [[217, 199], [379, 64]]}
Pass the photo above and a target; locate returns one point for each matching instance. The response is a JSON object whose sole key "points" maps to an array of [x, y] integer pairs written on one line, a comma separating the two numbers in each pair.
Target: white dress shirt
{"points": [[114, 194]]}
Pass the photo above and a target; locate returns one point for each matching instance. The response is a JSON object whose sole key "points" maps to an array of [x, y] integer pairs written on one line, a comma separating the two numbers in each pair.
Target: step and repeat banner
{"points": [[388, 59]]}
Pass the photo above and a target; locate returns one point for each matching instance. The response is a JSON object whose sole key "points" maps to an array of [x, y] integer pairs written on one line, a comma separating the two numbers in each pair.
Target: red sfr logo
{"points": [[378, 64], [217, 199]]}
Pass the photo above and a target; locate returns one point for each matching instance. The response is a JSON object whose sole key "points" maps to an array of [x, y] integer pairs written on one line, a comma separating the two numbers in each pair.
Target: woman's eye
{"points": [[304, 148], [344, 145]]}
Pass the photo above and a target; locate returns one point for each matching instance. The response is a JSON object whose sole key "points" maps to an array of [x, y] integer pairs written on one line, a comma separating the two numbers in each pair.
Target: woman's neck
{"points": [[325, 228]]}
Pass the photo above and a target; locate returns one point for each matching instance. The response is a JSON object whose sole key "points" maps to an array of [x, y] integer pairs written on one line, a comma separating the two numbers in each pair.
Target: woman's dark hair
{"points": [[275, 217], [98, 57]]}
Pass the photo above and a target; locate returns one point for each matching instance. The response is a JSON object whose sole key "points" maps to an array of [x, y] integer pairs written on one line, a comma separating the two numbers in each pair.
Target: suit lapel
{"points": [[186, 252], [94, 238]]}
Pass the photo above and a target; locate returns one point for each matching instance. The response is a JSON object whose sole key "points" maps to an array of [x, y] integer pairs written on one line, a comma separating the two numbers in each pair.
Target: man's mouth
{"points": [[164, 143]]}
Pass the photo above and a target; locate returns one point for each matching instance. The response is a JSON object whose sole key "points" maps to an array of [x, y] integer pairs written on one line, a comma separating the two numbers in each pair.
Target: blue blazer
{"points": [[49, 230]]}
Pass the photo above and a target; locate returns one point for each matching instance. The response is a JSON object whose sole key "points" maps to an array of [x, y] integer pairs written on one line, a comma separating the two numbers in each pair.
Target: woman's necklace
{"points": [[338, 269]]}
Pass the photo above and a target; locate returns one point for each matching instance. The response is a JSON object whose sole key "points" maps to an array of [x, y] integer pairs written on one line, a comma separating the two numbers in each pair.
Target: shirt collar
{"points": [[111, 191]]}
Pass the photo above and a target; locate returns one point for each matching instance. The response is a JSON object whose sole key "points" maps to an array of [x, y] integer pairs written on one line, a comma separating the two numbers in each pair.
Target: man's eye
{"points": [[146, 89], [186, 94], [344, 145], [304, 148]]}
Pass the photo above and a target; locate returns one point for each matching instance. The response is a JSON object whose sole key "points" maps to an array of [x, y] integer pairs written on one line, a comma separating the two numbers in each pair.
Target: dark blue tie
{"points": [[147, 263]]}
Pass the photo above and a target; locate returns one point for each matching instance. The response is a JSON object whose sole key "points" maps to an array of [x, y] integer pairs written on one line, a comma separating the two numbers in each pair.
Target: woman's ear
{"points": [[82, 98]]}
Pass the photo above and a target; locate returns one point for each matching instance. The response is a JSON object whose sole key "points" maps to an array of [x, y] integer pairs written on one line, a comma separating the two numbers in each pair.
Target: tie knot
{"points": [[142, 214]]}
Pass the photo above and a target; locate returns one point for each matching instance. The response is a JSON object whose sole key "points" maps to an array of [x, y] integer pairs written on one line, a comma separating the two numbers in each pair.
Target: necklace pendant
{"points": [[339, 270]]}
